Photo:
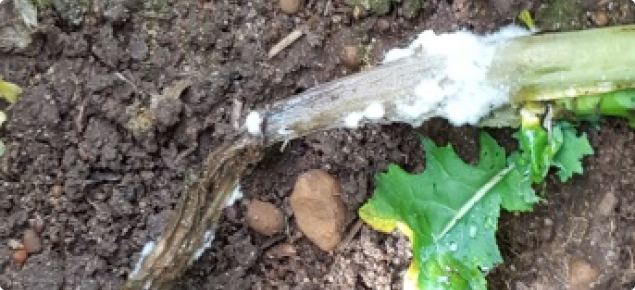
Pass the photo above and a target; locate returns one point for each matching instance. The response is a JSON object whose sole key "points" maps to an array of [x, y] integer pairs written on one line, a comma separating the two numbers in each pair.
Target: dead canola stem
{"points": [[197, 215]]}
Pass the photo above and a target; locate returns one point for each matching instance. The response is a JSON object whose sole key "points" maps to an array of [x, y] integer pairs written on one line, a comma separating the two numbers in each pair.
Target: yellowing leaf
{"points": [[450, 213], [525, 17], [9, 91]]}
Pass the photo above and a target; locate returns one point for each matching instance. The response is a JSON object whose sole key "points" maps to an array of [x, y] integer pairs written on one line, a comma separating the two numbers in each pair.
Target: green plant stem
{"points": [[617, 104], [562, 65]]}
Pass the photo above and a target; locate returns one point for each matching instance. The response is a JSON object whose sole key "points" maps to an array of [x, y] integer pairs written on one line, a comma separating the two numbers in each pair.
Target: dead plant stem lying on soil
{"points": [[198, 211]]}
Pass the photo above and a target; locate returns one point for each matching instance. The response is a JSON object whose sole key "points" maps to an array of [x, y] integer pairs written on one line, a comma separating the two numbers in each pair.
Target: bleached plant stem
{"points": [[328, 106]]}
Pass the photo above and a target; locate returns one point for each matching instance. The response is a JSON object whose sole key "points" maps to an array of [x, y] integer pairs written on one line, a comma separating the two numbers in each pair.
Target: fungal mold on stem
{"points": [[254, 123]]}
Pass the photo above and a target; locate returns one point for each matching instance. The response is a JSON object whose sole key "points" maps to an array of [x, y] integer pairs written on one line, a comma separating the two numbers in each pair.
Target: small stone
{"points": [[264, 217], [318, 207], [37, 224], [19, 257], [548, 222], [57, 190], [350, 57], [382, 25], [581, 275], [281, 251], [290, 6], [32, 242], [600, 18], [608, 204]]}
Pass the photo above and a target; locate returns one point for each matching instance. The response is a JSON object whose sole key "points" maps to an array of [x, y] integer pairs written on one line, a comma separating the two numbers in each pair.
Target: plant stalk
{"points": [[534, 68]]}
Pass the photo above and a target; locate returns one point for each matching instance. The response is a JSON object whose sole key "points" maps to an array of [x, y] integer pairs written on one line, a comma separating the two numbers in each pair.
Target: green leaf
{"points": [[574, 148], [518, 183], [538, 146], [450, 213]]}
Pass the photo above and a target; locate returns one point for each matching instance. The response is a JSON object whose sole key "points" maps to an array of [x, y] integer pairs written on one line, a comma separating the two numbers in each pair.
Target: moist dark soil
{"points": [[123, 98]]}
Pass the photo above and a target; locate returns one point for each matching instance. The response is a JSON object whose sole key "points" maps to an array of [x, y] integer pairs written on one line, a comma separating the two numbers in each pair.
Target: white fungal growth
{"points": [[374, 111], [147, 248], [254, 123], [237, 194], [208, 238], [353, 119], [285, 132], [460, 91]]}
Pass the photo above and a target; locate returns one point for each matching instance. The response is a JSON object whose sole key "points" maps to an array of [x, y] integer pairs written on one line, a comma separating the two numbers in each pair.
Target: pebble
{"points": [[281, 251], [600, 18], [19, 257], [289, 6], [318, 207], [37, 224], [350, 57], [608, 204], [382, 25], [264, 218], [32, 242], [581, 275], [57, 190]]}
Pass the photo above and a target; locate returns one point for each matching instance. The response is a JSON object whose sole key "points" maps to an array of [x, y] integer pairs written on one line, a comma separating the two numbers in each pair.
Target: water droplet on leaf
{"points": [[473, 230]]}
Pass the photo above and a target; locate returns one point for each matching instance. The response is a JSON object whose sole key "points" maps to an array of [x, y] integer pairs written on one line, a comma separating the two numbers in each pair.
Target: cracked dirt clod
{"points": [[264, 218], [318, 207]]}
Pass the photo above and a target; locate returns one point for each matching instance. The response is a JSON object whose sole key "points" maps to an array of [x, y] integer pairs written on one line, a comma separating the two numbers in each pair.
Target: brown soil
{"points": [[90, 153]]}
